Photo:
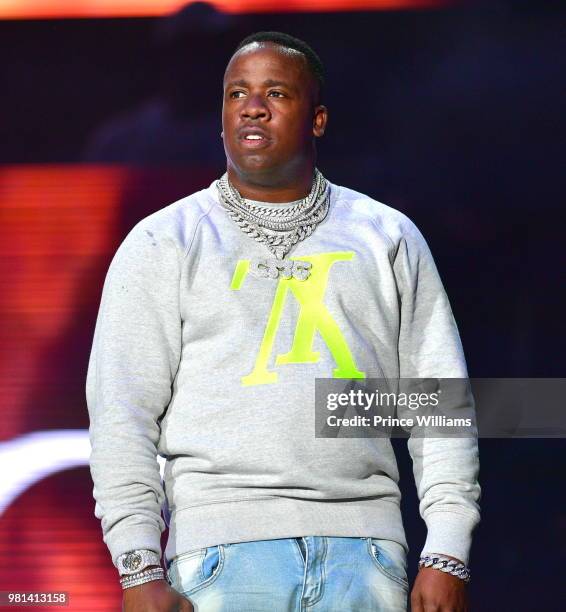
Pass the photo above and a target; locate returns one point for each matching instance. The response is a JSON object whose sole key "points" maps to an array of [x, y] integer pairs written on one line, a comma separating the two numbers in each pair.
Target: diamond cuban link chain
{"points": [[278, 228], [447, 565]]}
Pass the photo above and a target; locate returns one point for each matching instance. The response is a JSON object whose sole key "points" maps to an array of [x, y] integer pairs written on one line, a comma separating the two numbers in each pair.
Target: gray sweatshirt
{"points": [[196, 359]]}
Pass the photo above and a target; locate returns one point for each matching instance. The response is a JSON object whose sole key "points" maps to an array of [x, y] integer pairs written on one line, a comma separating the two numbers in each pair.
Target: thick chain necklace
{"points": [[278, 228]]}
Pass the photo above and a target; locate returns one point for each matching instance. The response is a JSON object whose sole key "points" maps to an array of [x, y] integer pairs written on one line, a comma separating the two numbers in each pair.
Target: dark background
{"points": [[453, 116]]}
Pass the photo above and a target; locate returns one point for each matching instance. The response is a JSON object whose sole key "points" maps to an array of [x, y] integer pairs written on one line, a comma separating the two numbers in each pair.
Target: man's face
{"points": [[269, 116]]}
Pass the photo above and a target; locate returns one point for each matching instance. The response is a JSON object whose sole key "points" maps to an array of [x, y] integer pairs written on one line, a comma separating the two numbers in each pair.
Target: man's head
{"points": [[272, 111]]}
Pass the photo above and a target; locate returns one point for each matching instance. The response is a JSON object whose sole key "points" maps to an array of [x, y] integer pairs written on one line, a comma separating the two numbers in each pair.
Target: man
{"points": [[206, 351]]}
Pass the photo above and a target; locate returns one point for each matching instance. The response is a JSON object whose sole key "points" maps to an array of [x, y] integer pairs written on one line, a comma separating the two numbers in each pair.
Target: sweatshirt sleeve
{"points": [[134, 359], [445, 469]]}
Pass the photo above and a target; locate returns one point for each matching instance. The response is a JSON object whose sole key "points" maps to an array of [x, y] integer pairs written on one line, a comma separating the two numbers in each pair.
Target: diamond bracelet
{"points": [[447, 565], [154, 573]]}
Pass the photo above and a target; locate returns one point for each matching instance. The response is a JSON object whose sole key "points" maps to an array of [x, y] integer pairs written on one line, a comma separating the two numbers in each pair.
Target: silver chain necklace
{"points": [[278, 228]]}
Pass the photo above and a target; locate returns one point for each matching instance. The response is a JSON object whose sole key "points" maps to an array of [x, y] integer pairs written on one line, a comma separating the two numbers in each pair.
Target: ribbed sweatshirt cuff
{"points": [[127, 538], [450, 533]]}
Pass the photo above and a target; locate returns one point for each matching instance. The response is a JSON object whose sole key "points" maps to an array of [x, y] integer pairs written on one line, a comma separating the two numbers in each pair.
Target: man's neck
{"points": [[271, 191]]}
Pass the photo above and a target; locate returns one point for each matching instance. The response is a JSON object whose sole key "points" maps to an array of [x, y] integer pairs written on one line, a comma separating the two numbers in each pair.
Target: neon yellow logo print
{"points": [[313, 317]]}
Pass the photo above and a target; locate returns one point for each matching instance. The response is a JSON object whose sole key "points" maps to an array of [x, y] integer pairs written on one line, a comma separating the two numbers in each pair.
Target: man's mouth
{"points": [[253, 137], [254, 140]]}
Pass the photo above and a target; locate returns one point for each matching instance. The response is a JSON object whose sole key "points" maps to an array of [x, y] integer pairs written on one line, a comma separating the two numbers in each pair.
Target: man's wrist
{"points": [[149, 567], [149, 574], [134, 561], [446, 564]]}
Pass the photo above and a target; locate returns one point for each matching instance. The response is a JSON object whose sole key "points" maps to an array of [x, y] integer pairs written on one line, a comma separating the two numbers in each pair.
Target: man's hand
{"points": [[436, 591], [155, 596]]}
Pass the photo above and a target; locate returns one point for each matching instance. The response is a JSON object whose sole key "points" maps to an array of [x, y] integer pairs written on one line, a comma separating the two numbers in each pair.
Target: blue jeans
{"points": [[313, 573]]}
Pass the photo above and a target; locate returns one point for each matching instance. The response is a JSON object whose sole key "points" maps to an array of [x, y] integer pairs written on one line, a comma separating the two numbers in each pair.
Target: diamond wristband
{"points": [[134, 561], [154, 573], [446, 565]]}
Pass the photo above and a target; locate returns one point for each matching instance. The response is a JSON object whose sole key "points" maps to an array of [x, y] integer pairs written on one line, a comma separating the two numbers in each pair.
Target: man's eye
{"points": [[277, 93], [234, 94]]}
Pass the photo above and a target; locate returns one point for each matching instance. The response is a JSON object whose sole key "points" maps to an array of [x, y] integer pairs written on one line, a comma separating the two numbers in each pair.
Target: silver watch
{"points": [[137, 560]]}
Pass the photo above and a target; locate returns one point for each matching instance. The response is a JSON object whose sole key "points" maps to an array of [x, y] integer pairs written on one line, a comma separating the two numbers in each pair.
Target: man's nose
{"points": [[255, 108]]}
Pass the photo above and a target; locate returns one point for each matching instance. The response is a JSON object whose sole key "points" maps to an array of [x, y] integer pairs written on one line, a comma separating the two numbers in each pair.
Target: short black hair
{"points": [[290, 42]]}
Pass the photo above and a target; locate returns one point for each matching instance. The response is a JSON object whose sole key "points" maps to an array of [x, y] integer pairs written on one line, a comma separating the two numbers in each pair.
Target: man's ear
{"points": [[319, 121]]}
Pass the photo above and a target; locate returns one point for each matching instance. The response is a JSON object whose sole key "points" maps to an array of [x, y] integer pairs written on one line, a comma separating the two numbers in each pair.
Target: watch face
{"points": [[132, 562]]}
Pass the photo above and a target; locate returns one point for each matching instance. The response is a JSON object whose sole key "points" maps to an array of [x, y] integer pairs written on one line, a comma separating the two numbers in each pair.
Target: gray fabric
{"points": [[183, 364]]}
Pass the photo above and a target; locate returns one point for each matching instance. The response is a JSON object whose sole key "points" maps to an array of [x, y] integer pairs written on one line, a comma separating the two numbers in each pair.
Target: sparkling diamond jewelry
{"points": [[275, 268], [136, 560], [447, 565], [278, 228], [156, 573]]}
